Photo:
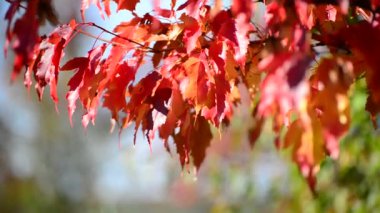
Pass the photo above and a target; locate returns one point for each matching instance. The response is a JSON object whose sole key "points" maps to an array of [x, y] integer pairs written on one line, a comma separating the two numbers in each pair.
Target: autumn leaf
{"points": [[234, 31], [196, 86], [256, 129], [357, 37], [24, 36], [45, 66], [115, 96], [9, 15], [193, 140], [126, 4], [176, 111], [283, 89], [193, 7], [242, 7], [139, 108], [334, 115], [308, 146], [83, 83], [192, 31], [200, 140]]}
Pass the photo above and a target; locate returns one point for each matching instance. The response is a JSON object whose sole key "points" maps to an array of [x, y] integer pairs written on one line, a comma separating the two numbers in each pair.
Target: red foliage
{"points": [[201, 57]]}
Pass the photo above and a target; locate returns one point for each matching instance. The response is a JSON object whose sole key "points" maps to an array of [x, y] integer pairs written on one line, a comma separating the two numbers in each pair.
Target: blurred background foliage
{"points": [[47, 166]]}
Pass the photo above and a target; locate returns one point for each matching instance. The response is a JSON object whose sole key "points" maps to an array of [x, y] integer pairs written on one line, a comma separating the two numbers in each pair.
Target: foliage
{"points": [[297, 69]]}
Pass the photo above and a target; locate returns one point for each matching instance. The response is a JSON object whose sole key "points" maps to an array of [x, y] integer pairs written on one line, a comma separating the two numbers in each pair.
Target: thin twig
{"points": [[121, 37], [103, 39]]}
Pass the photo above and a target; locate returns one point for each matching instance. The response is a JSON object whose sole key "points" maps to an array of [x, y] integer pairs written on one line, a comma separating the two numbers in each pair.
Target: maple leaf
{"points": [[139, 108], [228, 31], [115, 96], [200, 139], [193, 7], [25, 31], [251, 73], [163, 12], [83, 85], [308, 146], [356, 37], [193, 140], [24, 34], [195, 87], [316, 133], [242, 6], [81, 64], [283, 88], [334, 115], [255, 130], [9, 15], [275, 14], [161, 96], [243, 28], [217, 107], [159, 101], [45, 65], [192, 31], [126, 4], [234, 31], [176, 111]]}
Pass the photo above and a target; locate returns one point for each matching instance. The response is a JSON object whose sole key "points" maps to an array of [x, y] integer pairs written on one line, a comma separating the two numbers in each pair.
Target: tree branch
{"points": [[121, 37]]}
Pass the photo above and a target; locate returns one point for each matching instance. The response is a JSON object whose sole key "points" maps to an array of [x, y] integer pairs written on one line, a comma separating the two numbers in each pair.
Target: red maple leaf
{"points": [[45, 64]]}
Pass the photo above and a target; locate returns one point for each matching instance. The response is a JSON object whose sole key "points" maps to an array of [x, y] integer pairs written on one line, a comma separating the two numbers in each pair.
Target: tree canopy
{"points": [[297, 66]]}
